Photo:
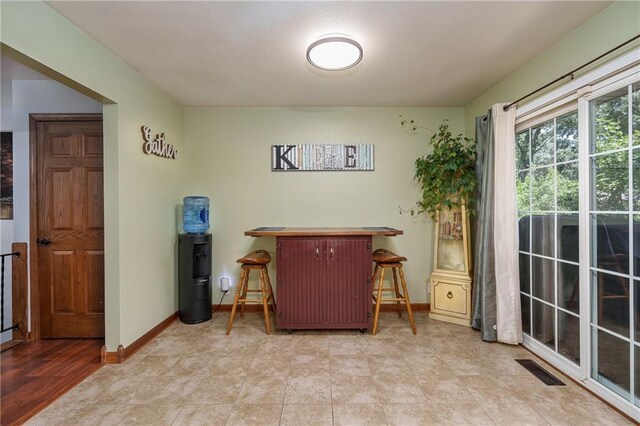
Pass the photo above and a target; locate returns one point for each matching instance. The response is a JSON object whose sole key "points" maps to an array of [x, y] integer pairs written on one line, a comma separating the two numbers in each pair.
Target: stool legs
{"points": [[235, 300], [373, 277], [265, 301], [243, 297], [399, 297], [272, 297], [397, 291], [407, 301], [266, 294], [378, 300]]}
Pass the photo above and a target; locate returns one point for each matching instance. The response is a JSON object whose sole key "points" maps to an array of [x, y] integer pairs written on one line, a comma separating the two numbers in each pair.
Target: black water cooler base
{"points": [[195, 321], [194, 267], [197, 306]]}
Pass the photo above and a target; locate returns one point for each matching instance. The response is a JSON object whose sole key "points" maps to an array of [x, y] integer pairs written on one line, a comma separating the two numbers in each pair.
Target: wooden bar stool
{"points": [[258, 260], [387, 259]]}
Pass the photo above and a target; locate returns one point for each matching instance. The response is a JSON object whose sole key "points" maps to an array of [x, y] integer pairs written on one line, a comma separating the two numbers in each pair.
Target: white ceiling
{"points": [[253, 53]]}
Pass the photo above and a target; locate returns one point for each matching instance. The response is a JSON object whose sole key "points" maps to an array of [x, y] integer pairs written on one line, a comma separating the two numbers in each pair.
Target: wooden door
{"points": [[70, 228], [349, 282], [301, 290]]}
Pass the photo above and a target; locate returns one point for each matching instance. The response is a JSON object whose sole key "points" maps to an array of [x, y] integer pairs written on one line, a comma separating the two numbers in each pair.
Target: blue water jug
{"points": [[195, 214]]}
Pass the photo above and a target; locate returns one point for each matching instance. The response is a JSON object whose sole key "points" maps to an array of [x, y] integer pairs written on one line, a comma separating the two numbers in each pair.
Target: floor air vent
{"points": [[542, 374]]}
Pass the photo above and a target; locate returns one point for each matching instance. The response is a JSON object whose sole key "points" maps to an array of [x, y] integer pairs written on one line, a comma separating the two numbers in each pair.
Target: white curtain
{"points": [[505, 227]]}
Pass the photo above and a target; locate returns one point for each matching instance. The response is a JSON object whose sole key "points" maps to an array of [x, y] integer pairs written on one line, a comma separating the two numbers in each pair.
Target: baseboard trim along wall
{"points": [[123, 353]]}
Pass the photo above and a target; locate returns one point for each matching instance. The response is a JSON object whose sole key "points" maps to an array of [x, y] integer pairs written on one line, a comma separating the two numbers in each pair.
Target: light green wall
{"points": [[141, 192], [227, 153], [229, 157], [611, 27]]}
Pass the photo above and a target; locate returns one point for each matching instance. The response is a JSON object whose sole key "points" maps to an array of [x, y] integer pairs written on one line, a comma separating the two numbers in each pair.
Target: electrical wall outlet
{"points": [[225, 284]]}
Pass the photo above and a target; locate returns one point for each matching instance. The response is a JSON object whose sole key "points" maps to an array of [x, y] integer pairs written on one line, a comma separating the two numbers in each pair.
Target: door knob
{"points": [[43, 241]]}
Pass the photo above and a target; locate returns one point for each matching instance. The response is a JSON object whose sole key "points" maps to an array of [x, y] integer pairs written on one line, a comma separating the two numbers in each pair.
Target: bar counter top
{"points": [[285, 231]]}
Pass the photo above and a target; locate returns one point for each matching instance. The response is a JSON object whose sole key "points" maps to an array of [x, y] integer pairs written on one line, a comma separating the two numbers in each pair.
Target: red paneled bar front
{"points": [[323, 275]]}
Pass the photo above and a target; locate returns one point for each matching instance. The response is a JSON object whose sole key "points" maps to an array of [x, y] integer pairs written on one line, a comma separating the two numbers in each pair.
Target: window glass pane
{"points": [[569, 336], [568, 187], [523, 232], [612, 303], [543, 324], [542, 278], [611, 179], [543, 189], [523, 183], [542, 144], [543, 234], [522, 190], [637, 374], [613, 360], [611, 121], [615, 187], [525, 303], [524, 273], [522, 150], [636, 116], [568, 237], [636, 311], [567, 137], [569, 287], [610, 242], [636, 177], [636, 246]]}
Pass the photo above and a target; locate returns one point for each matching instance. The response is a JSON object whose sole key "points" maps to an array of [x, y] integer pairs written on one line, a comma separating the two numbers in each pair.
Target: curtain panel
{"points": [[484, 278], [496, 294]]}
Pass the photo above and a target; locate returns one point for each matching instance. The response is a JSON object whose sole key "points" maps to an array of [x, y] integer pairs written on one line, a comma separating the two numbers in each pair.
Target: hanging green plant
{"points": [[448, 174]]}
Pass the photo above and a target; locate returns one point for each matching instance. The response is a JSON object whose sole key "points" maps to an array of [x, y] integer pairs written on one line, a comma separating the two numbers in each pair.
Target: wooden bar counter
{"points": [[323, 275], [277, 231]]}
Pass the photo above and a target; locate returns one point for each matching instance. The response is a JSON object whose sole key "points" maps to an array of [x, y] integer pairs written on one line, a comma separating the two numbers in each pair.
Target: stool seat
{"points": [[256, 257], [386, 256]]}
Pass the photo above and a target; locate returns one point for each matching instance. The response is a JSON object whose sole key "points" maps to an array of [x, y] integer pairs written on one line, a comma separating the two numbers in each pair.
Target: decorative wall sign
{"points": [[6, 175], [157, 146], [316, 157]]}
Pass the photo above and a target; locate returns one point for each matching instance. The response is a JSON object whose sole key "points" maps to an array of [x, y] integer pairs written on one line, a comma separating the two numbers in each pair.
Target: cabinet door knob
{"points": [[317, 252], [331, 252], [450, 295]]}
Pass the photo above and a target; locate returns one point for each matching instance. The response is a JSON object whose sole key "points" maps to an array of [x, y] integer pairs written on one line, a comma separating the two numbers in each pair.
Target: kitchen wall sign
{"points": [[316, 157], [157, 146]]}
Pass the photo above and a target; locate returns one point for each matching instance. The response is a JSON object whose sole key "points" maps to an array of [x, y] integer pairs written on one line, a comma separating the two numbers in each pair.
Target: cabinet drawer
{"points": [[450, 298]]}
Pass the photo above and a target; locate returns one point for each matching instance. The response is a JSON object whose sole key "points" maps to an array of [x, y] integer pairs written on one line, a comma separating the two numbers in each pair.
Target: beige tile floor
{"points": [[195, 374]]}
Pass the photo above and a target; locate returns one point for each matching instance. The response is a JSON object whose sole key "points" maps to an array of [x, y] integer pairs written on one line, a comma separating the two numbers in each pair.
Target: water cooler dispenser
{"points": [[194, 264]]}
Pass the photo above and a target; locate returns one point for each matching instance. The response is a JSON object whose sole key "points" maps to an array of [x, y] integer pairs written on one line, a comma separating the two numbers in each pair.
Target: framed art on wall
{"points": [[6, 175]]}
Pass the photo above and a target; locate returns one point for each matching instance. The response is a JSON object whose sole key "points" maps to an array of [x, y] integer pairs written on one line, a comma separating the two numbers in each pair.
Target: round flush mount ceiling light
{"points": [[334, 53]]}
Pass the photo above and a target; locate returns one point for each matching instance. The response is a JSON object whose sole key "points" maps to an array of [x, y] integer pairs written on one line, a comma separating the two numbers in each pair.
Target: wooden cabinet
{"points": [[450, 282], [323, 282]]}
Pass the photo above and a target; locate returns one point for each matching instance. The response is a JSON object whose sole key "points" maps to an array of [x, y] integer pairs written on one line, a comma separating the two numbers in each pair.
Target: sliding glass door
{"points": [[547, 192], [578, 195], [614, 211]]}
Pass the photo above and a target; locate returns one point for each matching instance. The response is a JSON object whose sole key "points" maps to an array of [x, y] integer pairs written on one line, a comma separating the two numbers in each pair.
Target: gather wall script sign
{"points": [[157, 146]]}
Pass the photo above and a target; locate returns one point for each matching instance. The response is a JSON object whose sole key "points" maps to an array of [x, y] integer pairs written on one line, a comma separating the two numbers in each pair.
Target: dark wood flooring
{"points": [[35, 374]]}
